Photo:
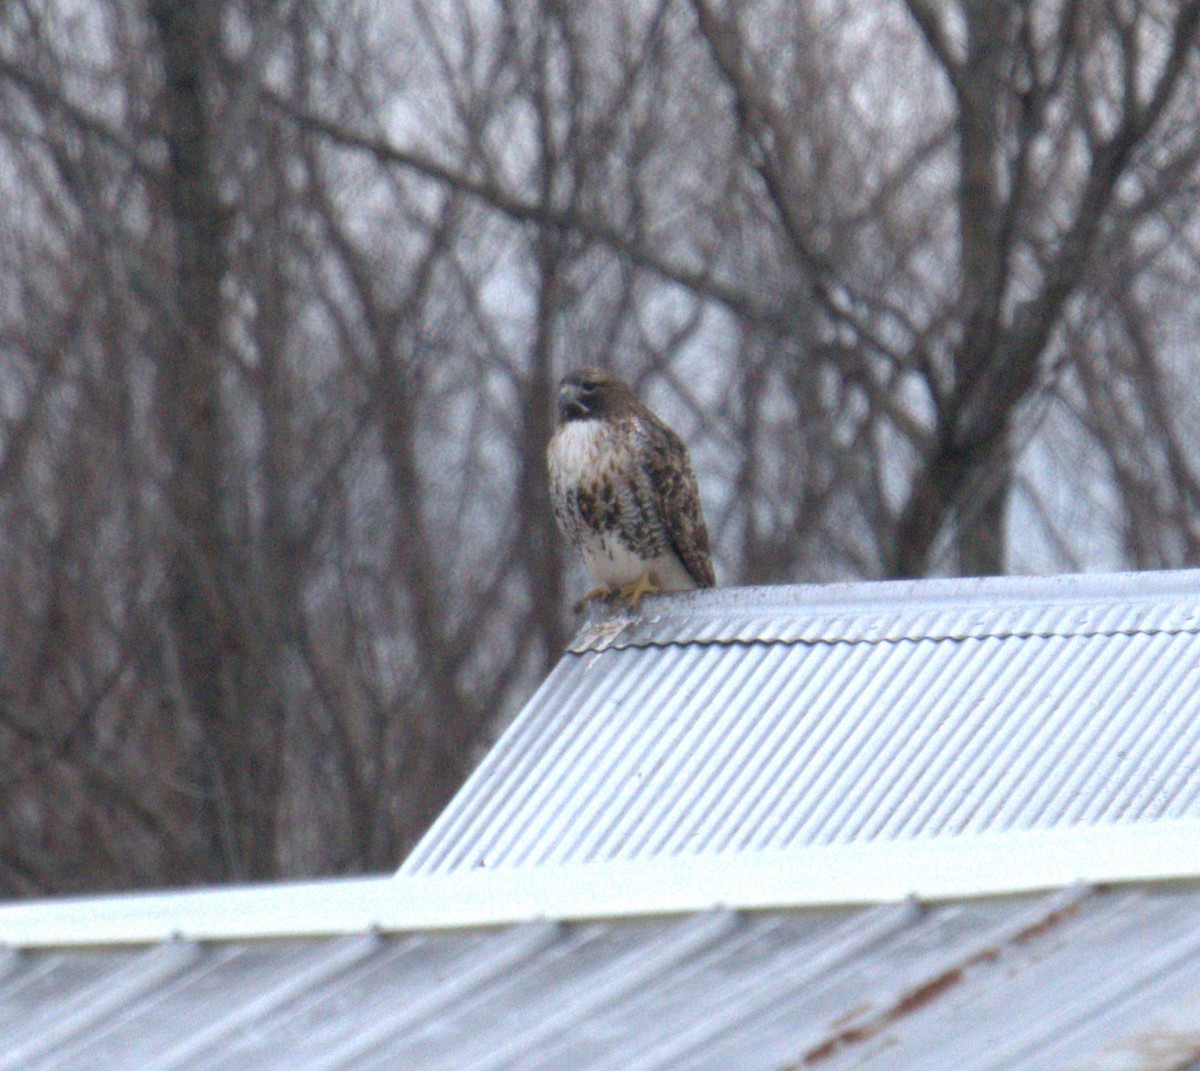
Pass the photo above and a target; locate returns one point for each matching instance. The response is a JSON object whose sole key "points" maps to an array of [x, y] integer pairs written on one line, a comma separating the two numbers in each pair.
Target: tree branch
{"points": [[524, 211]]}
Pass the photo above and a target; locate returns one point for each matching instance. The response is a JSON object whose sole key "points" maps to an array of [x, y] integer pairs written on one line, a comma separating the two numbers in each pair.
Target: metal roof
{"points": [[774, 718], [1083, 978], [664, 864]]}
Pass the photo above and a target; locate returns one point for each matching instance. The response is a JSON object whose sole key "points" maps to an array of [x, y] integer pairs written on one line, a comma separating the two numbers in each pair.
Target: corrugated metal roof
{"points": [[1017, 984], [772, 750], [732, 721]]}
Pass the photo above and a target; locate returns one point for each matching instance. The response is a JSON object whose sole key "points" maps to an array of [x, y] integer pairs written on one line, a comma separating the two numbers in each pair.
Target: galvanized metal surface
{"points": [[1079, 979], [687, 747], [728, 722]]}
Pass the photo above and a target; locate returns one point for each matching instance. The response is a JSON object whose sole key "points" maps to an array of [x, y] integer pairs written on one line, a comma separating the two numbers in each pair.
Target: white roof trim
{"points": [[947, 868]]}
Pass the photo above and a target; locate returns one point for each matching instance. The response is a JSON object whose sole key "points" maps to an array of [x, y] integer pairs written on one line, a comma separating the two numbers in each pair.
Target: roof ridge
{"points": [[584, 644], [741, 615]]}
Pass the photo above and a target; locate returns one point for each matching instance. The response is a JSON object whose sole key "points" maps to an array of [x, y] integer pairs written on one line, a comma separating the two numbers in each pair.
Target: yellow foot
{"points": [[595, 593], [638, 590]]}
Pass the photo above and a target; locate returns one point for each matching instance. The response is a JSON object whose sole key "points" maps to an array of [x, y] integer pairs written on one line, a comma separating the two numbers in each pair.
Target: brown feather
{"points": [[677, 498]]}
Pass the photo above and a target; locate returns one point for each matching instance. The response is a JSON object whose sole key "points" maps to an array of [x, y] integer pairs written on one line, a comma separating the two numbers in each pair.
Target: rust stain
{"points": [[916, 999], [926, 993], [857, 1012], [1042, 926], [828, 1048], [909, 1002], [1165, 1050]]}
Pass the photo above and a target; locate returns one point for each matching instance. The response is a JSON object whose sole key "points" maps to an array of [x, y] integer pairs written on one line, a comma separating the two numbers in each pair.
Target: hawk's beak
{"points": [[570, 402]]}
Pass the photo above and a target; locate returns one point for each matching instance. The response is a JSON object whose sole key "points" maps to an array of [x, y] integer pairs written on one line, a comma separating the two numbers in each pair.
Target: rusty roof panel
{"points": [[1079, 978]]}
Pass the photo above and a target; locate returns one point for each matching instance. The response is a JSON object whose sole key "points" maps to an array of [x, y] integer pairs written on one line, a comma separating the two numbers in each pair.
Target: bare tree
{"points": [[289, 286]]}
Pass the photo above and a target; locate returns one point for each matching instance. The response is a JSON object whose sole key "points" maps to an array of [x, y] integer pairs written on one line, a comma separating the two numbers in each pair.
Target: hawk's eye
{"points": [[577, 399]]}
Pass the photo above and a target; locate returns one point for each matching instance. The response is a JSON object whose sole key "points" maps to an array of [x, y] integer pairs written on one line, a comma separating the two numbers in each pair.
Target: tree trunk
{"points": [[234, 777]]}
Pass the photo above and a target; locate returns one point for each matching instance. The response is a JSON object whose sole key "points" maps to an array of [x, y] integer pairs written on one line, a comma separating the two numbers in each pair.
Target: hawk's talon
{"points": [[638, 590], [591, 596]]}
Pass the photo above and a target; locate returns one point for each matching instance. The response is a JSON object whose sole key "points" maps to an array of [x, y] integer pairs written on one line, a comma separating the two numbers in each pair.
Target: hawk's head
{"points": [[593, 394]]}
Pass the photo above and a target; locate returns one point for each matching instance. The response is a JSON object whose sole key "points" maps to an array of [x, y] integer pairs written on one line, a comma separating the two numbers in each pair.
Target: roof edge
{"points": [[826, 876], [1161, 600]]}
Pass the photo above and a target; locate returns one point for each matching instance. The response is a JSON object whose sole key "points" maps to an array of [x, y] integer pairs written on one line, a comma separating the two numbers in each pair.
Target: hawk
{"points": [[624, 493]]}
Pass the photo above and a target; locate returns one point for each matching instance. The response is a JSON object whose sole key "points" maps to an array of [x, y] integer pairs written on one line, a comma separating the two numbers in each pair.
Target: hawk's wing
{"points": [[677, 497]]}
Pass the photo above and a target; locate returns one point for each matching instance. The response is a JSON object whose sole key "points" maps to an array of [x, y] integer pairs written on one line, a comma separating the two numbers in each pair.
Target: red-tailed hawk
{"points": [[624, 492]]}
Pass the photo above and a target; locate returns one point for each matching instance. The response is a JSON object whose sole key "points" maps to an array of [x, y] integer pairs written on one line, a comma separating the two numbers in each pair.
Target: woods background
{"points": [[285, 288]]}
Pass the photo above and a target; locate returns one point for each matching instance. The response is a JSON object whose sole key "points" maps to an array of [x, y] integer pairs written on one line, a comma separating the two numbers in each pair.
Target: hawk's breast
{"points": [[605, 506], [576, 453], [584, 480]]}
